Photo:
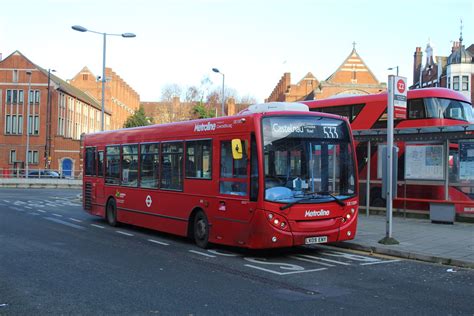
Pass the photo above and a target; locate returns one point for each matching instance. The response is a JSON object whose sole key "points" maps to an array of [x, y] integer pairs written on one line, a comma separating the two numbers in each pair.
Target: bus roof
{"points": [[200, 128], [412, 94]]}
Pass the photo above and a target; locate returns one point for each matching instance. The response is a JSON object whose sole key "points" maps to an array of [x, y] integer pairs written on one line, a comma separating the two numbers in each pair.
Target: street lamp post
{"points": [[223, 97], [47, 151], [392, 68], [29, 73], [103, 79]]}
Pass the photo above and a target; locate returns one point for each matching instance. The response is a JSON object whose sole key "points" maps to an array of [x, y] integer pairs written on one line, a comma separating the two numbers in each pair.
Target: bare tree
{"points": [[193, 94], [171, 90], [248, 99]]}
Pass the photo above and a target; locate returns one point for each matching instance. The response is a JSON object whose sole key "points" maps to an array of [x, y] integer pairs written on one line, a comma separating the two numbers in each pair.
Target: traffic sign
{"points": [[399, 97]]}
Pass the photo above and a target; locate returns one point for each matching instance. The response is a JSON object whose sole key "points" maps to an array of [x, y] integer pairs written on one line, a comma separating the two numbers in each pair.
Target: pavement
{"points": [[419, 239]]}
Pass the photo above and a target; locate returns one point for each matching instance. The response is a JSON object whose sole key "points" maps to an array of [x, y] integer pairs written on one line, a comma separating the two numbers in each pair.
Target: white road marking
{"points": [[98, 226], [75, 220], [57, 215], [379, 262], [312, 261], [41, 211], [158, 242], [328, 260], [202, 254], [63, 222], [123, 233], [283, 273]]}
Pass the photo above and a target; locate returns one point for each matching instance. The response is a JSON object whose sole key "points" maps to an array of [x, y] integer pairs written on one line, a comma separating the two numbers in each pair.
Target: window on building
{"points": [[198, 159], [33, 125], [31, 96], [12, 156], [112, 165], [149, 165], [449, 82], [20, 96], [8, 124], [37, 96], [13, 124], [15, 75], [172, 166], [33, 156], [9, 97], [456, 83], [15, 96], [90, 161], [130, 165], [465, 83]]}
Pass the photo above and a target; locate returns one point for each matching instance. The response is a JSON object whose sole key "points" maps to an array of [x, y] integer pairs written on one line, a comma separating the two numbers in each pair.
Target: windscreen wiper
{"points": [[313, 195], [338, 200], [284, 207]]}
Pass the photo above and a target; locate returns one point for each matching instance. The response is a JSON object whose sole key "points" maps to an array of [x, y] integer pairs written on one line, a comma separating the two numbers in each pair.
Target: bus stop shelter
{"points": [[435, 171]]}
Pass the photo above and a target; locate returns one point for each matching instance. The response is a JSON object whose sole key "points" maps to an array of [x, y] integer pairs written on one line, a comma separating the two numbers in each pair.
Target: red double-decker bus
{"points": [[431, 107], [265, 178]]}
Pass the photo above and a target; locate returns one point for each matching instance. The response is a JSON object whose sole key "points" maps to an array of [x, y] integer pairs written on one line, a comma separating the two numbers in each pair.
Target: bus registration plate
{"points": [[316, 240]]}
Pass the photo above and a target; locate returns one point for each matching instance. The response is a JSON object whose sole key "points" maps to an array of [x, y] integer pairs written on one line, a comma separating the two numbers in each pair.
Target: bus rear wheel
{"points": [[111, 213], [201, 230]]}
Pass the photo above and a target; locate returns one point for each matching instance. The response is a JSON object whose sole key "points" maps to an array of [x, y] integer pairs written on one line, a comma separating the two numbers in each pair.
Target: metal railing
{"points": [[8, 173]]}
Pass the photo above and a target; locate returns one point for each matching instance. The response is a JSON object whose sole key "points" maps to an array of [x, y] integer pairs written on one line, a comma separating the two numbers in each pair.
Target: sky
{"points": [[253, 42]]}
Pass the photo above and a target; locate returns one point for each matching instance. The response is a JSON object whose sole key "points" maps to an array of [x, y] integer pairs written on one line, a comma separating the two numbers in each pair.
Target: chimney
{"points": [[175, 103], [230, 106], [455, 46], [417, 57]]}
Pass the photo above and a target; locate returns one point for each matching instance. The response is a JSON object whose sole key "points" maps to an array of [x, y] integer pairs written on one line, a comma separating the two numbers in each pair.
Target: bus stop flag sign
{"points": [[400, 97]]}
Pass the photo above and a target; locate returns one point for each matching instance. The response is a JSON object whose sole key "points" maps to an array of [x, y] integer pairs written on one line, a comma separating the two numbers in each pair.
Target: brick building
{"points": [[352, 77], [120, 98], [56, 123], [455, 71]]}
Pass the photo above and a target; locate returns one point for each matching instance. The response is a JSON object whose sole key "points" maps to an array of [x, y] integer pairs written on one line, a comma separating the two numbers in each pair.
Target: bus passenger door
{"points": [[235, 207]]}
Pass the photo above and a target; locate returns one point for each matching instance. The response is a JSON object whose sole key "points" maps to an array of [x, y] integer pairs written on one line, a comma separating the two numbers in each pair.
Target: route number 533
{"points": [[330, 132]]}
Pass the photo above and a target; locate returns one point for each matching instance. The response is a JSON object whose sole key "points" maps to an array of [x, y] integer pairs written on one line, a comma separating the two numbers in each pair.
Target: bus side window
{"points": [[416, 109], [112, 165], [198, 159], [149, 165], [172, 166], [90, 161], [100, 164]]}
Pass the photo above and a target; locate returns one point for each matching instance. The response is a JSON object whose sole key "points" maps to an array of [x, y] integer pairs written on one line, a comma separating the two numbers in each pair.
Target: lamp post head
{"points": [[79, 28], [128, 35], [216, 70]]}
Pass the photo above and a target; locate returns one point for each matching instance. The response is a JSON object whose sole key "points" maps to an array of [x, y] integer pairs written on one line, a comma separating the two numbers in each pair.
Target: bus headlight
{"points": [[277, 221]]}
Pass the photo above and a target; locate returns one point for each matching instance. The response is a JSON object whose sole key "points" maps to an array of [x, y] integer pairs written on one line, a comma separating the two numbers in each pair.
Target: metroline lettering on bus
{"points": [[275, 175]]}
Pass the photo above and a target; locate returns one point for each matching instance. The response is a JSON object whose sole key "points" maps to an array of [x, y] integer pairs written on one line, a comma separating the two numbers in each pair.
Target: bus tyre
{"points": [[201, 230], [111, 213]]}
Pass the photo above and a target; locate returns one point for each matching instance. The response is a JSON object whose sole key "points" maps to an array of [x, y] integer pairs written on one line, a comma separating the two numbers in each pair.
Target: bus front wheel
{"points": [[201, 230], [111, 213]]}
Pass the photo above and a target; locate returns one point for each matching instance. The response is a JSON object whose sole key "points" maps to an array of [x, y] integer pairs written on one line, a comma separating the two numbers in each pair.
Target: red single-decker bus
{"points": [[276, 175]]}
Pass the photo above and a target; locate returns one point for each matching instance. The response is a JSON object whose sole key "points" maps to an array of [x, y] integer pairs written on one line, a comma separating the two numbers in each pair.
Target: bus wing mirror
{"points": [[237, 149]]}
